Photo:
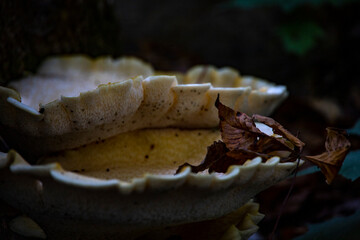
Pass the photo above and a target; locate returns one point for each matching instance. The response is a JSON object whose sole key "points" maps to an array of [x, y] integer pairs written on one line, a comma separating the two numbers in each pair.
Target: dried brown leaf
{"points": [[336, 139], [242, 140], [337, 147], [238, 131], [236, 138], [215, 152], [241, 155], [280, 130]]}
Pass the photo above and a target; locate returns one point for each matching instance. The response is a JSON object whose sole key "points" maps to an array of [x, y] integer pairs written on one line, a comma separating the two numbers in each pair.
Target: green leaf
{"points": [[286, 5], [355, 130], [308, 170], [351, 166], [344, 228], [300, 37]]}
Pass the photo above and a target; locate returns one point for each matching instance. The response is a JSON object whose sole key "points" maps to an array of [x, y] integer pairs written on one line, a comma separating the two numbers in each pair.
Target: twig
{"points": [[271, 237]]}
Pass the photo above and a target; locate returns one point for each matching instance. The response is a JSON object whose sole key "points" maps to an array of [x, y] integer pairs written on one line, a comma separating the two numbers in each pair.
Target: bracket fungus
{"points": [[72, 101], [99, 156]]}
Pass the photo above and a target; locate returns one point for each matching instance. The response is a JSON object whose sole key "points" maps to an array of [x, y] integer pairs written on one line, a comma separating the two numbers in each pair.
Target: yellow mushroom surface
{"points": [[134, 154]]}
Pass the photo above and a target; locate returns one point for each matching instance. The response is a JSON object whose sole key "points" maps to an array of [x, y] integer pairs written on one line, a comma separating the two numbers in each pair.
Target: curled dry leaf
{"points": [[288, 139], [337, 147], [216, 153], [243, 140]]}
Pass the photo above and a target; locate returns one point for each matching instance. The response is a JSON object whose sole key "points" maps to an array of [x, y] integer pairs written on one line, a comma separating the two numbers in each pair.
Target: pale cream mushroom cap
{"points": [[120, 184], [76, 100], [72, 205]]}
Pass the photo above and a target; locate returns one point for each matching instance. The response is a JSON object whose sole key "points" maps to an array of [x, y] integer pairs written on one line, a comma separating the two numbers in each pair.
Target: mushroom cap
{"points": [[123, 106], [75, 100], [71, 205]]}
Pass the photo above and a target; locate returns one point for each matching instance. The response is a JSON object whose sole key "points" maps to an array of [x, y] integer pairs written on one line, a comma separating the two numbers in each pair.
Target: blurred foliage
{"points": [[286, 5], [344, 222], [266, 38], [344, 228], [351, 166], [355, 130], [300, 37]]}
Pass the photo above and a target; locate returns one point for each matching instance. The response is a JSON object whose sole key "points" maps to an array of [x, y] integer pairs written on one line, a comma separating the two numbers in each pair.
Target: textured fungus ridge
{"points": [[103, 139], [74, 100], [66, 204]]}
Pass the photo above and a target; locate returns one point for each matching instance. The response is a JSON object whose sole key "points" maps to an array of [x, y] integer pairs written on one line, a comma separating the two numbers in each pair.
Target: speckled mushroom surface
{"points": [[137, 153], [75, 100], [100, 141], [89, 204]]}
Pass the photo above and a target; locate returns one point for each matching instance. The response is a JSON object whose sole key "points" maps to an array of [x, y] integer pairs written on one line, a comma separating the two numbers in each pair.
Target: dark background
{"points": [[312, 47]]}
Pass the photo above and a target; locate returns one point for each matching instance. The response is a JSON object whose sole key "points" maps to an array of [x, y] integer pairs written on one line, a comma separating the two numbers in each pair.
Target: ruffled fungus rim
{"points": [[235, 175], [67, 122]]}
